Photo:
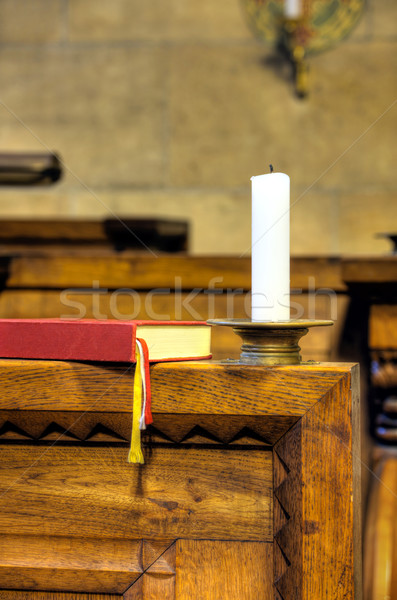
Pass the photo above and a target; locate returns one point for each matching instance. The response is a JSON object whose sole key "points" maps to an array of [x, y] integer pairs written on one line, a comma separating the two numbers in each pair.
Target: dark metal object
{"points": [[30, 168]]}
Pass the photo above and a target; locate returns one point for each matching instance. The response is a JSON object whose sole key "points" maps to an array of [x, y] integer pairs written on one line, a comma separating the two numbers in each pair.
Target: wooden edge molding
{"points": [[201, 387], [71, 564], [317, 499]]}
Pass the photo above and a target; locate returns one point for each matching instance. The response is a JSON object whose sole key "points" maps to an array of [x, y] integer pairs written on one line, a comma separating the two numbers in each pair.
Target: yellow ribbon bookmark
{"points": [[135, 454]]}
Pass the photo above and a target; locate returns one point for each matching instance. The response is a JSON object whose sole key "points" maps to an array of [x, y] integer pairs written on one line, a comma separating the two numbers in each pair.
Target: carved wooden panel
{"points": [[126, 569], [230, 445], [288, 515], [185, 570], [94, 492], [83, 565], [108, 428], [158, 581]]}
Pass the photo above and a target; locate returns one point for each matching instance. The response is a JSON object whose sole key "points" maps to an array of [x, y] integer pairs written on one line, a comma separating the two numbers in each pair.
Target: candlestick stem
{"points": [[293, 43]]}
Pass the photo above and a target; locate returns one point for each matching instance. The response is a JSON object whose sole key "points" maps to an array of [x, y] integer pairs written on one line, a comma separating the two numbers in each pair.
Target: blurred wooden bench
{"points": [[380, 529], [372, 286], [134, 285], [54, 268]]}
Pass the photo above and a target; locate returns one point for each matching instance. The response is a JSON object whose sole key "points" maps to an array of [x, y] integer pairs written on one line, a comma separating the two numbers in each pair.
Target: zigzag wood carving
{"points": [[287, 515]]}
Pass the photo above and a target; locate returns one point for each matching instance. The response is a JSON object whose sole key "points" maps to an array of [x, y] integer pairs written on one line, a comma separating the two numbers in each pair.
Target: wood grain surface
{"points": [[202, 387], [380, 549], [216, 570], [369, 269], [66, 564], [158, 581], [231, 446], [330, 430], [318, 489], [317, 272], [144, 271], [31, 595], [73, 230], [94, 492], [383, 327], [287, 511]]}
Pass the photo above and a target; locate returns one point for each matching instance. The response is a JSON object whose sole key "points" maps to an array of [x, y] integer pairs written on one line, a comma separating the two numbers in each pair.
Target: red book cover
{"points": [[102, 340]]}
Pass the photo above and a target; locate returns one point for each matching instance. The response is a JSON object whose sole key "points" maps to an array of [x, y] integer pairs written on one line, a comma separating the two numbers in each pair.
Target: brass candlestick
{"points": [[293, 45], [270, 342]]}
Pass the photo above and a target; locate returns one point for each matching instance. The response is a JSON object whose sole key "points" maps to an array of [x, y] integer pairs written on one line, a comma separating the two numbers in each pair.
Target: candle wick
{"points": [[271, 168]]}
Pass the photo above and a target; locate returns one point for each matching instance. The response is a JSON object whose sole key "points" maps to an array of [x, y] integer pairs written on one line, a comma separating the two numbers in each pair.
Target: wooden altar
{"points": [[250, 489]]}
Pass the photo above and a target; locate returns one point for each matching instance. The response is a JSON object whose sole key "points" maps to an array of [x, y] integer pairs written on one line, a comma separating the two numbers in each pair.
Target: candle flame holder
{"points": [[270, 343], [320, 25]]}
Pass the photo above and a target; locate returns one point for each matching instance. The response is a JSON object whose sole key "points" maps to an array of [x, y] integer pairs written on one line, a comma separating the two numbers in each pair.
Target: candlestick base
{"points": [[270, 342]]}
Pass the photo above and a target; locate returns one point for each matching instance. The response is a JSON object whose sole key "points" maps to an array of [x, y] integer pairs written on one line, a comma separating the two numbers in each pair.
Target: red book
{"points": [[108, 340]]}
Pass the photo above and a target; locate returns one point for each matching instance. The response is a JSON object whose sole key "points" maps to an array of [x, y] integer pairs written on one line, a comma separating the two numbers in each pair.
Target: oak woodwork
{"points": [[249, 489], [145, 271], [214, 570], [45, 236], [192, 387], [302, 490], [314, 272], [216, 493], [28, 595], [369, 270], [27, 232], [383, 327], [141, 271], [118, 567], [158, 581], [108, 565], [380, 557], [111, 428], [303, 519]]}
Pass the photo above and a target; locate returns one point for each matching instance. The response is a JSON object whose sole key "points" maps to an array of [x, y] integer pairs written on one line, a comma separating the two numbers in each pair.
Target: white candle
{"points": [[270, 248], [292, 9]]}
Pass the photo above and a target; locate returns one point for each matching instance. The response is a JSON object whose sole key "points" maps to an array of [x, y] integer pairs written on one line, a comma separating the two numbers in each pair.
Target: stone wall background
{"points": [[168, 107]]}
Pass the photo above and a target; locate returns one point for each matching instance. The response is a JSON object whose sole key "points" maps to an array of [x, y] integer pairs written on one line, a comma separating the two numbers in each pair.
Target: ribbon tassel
{"points": [[141, 412]]}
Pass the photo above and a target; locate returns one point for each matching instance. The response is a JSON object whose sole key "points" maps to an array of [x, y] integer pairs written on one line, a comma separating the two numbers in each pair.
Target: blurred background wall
{"points": [[168, 107]]}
